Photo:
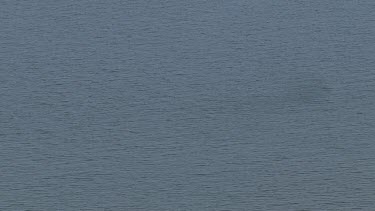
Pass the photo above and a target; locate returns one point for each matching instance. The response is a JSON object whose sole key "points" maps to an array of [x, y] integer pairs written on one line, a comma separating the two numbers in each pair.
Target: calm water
{"points": [[196, 105]]}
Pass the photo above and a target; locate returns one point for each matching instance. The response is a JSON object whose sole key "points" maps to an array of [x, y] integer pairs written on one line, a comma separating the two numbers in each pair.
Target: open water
{"points": [[187, 105]]}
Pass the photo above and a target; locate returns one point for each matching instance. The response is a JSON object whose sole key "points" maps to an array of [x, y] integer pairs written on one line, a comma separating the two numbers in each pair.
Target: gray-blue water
{"points": [[187, 105]]}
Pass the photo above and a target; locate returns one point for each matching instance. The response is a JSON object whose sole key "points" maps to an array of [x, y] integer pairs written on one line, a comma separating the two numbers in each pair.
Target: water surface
{"points": [[199, 105]]}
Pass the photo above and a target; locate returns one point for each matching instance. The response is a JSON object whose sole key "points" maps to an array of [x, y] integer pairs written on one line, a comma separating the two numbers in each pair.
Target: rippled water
{"points": [[196, 105]]}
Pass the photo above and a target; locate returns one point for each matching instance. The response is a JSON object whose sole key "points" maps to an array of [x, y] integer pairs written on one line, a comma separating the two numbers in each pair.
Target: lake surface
{"points": [[196, 105]]}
